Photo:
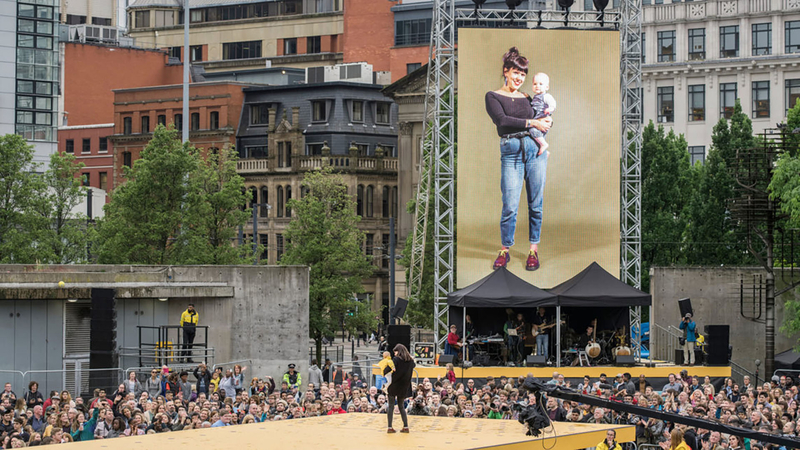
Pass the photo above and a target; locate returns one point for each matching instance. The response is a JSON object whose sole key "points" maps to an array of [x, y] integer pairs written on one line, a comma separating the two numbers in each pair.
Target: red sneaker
{"points": [[533, 261], [502, 259]]}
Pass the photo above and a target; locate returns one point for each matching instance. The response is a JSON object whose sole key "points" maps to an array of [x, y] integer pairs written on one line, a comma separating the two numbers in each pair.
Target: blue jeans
{"points": [[520, 163], [543, 345]]}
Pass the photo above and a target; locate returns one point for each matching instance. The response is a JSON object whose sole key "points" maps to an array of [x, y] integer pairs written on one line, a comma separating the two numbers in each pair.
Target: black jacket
{"points": [[401, 379]]}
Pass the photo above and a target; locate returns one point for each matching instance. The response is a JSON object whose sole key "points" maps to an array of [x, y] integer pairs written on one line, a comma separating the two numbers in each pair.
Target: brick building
{"points": [[90, 74], [214, 109]]}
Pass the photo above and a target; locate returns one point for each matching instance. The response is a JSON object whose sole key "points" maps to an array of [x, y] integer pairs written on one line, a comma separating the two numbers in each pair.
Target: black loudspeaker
{"points": [[447, 359], [399, 308], [535, 361], [625, 360], [399, 334], [717, 344], [685, 304], [103, 340]]}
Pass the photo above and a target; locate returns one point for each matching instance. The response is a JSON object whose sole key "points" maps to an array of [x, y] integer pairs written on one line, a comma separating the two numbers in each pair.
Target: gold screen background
{"points": [[581, 216]]}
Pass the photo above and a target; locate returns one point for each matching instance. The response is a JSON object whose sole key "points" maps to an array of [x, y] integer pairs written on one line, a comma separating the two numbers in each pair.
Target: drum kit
{"points": [[602, 348]]}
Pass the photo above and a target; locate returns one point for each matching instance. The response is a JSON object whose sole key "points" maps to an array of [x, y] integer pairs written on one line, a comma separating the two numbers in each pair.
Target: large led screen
{"points": [[573, 185]]}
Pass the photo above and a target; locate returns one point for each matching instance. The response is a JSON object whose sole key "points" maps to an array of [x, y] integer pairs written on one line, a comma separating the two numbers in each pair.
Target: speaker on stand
{"points": [[399, 334], [103, 340], [717, 344]]}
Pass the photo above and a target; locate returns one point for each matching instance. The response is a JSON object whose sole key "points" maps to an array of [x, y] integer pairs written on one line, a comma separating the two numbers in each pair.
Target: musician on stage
{"points": [[454, 341], [468, 332], [540, 321], [620, 339], [586, 339], [513, 337]]}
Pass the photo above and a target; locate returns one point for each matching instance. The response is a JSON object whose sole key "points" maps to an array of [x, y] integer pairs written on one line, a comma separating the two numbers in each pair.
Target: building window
{"points": [[792, 36], [145, 124], [103, 148], [762, 39], [264, 202], [70, 148], [666, 103], [259, 114], [126, 159], [213, 120], [369, 245], [382, 113], [314, 149], [279, 246], [697, 44], [760, 99], [369, 200], [385, 202], [792, 93], [86, 148], [175, 52], [412, 67], [318, 111], [385, 248], [165, 18], [288, 197], [284, 154], [86, 178], [666, 46], [104, 181], [279, 194], [264, 241], [412, 32], [290, 46], [314, 44], [195, 121], [241, 50], [363, 149], [162, 119], [360, 200], [142, 19], [729, 41], [257, 151], [697, 102], [127, 125], [195, 53], [357, 111], [727, 99], [178, 121], [697, 154]]}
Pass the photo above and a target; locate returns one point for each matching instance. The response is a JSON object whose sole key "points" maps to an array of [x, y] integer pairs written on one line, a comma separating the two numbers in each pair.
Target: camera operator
{"points": [[419, 408], [689, 338]]}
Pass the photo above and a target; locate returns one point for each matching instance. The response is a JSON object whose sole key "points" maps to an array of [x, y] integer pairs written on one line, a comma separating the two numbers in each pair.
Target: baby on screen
{"points": [[543, 106]]}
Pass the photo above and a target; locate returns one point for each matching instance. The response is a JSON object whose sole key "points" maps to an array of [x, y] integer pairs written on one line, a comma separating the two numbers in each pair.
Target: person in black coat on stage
{"points": [[401, 384]]}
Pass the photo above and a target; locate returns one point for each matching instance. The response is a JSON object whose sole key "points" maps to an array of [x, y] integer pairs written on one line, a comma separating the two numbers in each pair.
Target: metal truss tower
{"points": [[436, 187]]}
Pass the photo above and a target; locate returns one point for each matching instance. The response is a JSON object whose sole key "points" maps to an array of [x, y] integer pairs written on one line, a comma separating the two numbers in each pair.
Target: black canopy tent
{"points": [[593, 287], [499, 289]]}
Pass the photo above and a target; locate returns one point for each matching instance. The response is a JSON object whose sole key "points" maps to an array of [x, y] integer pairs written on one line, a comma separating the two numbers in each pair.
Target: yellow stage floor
{"points": [[545, 373], [368, 431]]}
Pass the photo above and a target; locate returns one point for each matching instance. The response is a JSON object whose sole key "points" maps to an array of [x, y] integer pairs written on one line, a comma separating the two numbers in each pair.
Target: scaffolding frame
{"points": [[437, 164]]}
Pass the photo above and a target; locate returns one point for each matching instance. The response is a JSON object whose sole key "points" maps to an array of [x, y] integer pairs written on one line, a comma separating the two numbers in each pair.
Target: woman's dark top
{"points": [[401, 379], [508, 113]]}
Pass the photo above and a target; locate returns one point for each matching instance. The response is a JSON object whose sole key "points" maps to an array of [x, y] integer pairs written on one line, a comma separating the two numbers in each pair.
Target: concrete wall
{"points": [[714, 293], [265, 321]]}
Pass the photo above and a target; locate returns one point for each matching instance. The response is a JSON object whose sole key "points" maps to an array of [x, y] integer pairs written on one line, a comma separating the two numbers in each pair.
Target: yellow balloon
{"points": [[61, 284]]}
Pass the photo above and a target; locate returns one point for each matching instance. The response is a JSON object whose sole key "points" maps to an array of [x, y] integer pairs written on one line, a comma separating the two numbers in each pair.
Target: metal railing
{"points": [[334, 352], [664, 342], [365, 367], [79, 382], [740, 373], [164, 345]]}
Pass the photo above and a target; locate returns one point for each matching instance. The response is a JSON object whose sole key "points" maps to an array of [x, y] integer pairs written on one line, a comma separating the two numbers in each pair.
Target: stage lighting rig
{"points": [[512, 5], [478, 4], [601, 5], [566, 4]]}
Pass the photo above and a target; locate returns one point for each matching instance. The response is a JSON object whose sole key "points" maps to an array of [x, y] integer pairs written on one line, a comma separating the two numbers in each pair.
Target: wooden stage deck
{"points": [[368, 431]]}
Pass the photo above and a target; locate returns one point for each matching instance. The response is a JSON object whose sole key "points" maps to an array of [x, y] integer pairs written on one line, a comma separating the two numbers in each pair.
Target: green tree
{"points": [[68, 234], [711, 236], [666, 179], [785, 184], [324, 236], [176, 207], [219, 211], [21, 203]]}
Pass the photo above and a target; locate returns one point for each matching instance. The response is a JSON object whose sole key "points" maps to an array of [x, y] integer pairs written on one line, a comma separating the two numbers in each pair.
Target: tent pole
{"points": [[558, 336], [464, 333]]}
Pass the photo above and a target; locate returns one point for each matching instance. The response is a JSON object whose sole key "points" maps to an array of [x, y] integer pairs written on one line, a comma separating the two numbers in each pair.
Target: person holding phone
{"points": [[689, 339]]}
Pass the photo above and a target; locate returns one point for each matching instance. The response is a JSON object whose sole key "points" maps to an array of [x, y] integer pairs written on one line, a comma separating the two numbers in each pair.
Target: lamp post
{"points": [[185, 124]]}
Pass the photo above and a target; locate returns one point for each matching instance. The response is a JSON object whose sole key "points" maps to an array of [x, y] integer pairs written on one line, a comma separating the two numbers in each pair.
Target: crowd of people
{"points": [[166, 401]]}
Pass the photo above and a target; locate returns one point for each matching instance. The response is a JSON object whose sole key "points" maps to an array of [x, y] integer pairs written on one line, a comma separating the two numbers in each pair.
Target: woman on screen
{"points": [[520, 161]]}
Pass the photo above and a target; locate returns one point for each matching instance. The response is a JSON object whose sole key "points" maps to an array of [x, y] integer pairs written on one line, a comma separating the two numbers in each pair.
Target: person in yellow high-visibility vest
{"points": [[189, 319]]}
